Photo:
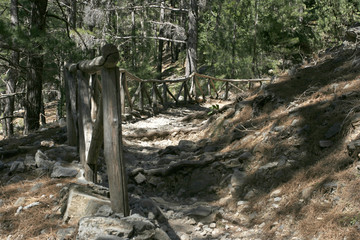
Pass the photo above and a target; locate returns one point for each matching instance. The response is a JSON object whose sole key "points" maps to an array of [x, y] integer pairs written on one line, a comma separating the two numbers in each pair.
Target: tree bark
{"points": [[12, 74], [36, 65], [191, 51]]}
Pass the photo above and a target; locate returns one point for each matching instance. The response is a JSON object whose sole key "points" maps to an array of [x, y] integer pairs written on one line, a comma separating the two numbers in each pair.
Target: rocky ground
{"points": [[275, 162]]}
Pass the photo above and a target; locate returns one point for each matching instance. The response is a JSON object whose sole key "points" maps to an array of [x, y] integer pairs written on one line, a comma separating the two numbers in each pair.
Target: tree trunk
{"points": [[191, 51], [36, 65], [255, 52], [12, 74]]}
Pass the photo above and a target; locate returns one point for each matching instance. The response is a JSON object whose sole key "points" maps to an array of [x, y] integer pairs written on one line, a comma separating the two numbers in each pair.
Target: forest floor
{"points": [[271, 163]]}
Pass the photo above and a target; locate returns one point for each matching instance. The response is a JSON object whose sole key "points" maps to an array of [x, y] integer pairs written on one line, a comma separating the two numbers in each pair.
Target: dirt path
{"points": [[182, 176]]}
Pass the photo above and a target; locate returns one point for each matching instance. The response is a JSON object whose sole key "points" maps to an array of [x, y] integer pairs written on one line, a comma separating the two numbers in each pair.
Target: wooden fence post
{"points": [[113, 140], [141, 97], [122, 92], [71, 119], [85, 122], [226, 91]]}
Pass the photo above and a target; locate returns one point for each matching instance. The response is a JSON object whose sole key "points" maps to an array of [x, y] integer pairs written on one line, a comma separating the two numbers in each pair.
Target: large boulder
{"points": [[83, 201]]}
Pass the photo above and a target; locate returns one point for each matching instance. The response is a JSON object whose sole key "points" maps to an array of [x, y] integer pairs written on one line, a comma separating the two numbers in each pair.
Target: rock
{"points": [[140, 178], [2, 165], [212, 225], [275, 193], [64, 233], [238, 178], [15, 179], [17, 167], [331, 185], [187, 146], [354, 148], [353, 34], [199, 211], [20, 201], [333, 130], [277, 199], [36, 187], [269, 166], [62, 172], [83, 201], [279, 128], [109, 237], [249, 195], [47, 143], [91, 228], [104, 211], [30, 161], [325, 143], [245, 156], [139, 223], [63, 153], [42, 161], [200, 180], [307, 192], [1, 203]]}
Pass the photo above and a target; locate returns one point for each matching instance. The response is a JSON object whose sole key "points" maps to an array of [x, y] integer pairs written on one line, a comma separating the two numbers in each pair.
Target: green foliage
{"points": [[214, 109]]}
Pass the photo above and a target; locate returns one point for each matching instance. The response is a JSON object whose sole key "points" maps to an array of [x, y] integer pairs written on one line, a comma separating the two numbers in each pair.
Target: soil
{"points": [[288, 138]]}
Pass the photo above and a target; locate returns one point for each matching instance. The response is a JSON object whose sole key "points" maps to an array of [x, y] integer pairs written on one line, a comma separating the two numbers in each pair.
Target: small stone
{"points": [[47, 143], [20, 201], [277, 199], [140, 178], [15, 179], [269, 166], [245, 156], [104, 211], [62, 172], [64, 233], [275, 193], [333, 130], [17, 166], [250, 195], [1, 202], [241, 203], [36, 187], [307, 192], [212, 225], [325, 143]]}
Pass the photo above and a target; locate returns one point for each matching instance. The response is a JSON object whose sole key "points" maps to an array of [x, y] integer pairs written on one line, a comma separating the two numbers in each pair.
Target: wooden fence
{"points": [[97, 94]]}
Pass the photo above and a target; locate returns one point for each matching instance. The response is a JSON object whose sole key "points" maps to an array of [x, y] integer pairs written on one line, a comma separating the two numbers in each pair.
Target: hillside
{"points": [[273, 163]]}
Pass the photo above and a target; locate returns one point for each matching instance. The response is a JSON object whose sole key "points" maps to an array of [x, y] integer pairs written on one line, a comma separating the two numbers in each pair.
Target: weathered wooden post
{"points": [[71, 119], [141, 96], [122, 92], [112, 131]]}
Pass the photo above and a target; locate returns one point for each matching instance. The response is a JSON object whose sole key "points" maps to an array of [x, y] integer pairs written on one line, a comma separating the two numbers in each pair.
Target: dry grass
{"points": [[38, 222]]}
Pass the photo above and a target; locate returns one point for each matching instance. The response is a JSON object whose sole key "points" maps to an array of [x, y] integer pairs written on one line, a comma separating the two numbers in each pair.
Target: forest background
{"points": [[158, 39]]}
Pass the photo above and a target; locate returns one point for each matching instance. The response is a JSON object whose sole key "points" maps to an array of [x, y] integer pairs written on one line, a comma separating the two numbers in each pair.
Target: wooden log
{"points": [[213, 85], [122, 91], [165, 95], [126, 88], [135, 94], [209, 87], [97, 140], [226, 91], [154, 99], [109, 58], [85, 123], [198, 85], [186, 92], [71, 111], [168, 90], [141, 97], [113, 146], [234, 80]]}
